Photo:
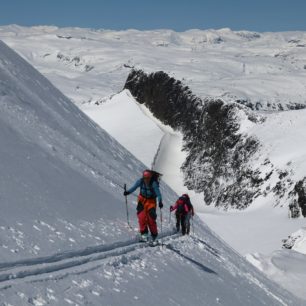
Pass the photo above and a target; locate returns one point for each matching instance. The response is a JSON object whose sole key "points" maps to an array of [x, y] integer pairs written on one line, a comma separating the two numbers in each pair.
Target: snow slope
{"points": [[263, 69], [64, 239], [287, 267], [115, 115], [256, 232], [48, 150]]}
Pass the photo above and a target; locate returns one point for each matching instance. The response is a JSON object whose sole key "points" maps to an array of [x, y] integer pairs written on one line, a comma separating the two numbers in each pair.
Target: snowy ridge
{"points": [[60, 193], [233, 153], [274, 223]]}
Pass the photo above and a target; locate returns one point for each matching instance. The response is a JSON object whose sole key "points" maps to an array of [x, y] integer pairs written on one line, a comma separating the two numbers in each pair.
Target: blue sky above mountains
{"points": [[260, 15]]}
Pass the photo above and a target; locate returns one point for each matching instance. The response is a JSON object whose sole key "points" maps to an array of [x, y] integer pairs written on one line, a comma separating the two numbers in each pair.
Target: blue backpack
{"points": [[154, 178]]}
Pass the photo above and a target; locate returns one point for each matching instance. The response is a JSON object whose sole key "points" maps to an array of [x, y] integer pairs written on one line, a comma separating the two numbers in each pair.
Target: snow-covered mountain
{"points": [[256, 232], [49, 148], [259, 70], [64, 238], [239, 158], [263, 71], [235, 156]]}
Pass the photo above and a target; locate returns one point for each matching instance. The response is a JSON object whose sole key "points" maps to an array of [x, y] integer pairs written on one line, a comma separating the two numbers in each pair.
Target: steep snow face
{"points": [[63, 232], [261, 70], [115, 114], [57, 167]]}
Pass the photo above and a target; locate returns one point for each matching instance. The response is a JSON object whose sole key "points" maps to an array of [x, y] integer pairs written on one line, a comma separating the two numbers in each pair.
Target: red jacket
{"points": [[182, 204]]}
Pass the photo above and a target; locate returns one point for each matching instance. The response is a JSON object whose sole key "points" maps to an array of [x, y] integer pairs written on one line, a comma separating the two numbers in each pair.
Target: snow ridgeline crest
{"points": [[218, 152]]}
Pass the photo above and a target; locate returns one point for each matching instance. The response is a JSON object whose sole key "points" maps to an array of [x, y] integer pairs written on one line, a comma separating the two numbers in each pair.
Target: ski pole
{"points": [[192, 225], [161, 220], [161, 226], [127, 210], [170, 217]]}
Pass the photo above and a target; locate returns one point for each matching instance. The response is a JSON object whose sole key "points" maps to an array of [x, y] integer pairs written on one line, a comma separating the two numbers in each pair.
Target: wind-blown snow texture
{"points": [[63, 236]]}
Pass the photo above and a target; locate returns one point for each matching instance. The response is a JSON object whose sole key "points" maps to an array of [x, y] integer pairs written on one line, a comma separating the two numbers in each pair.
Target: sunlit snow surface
{"points": [[257, 230], [88, 66]]}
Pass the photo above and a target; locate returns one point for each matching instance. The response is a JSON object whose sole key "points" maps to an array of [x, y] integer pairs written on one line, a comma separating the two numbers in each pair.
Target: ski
{"points": [[154, 243], [148, 241]]}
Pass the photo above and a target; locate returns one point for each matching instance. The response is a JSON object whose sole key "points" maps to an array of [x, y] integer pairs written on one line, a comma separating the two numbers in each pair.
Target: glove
{"points": [[126, 193], [171, 208], [161, 205]]}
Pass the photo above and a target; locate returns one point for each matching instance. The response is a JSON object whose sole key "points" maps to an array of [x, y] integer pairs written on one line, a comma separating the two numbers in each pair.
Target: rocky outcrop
{"points": [[299, 193], [217, 158], [217, 153], [168, 99]]}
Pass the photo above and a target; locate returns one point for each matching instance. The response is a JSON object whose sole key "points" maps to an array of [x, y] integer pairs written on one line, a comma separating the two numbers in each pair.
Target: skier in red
{"points": [[146, 208], [184, 212]]}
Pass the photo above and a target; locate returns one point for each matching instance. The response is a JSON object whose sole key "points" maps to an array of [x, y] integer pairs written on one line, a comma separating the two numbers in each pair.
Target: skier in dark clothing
{"points": [[146, 207], [184, 212]]}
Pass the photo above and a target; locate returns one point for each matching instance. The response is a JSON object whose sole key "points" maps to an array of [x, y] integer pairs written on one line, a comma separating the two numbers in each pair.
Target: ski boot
{"points": [[154, 241], [143, 238]]}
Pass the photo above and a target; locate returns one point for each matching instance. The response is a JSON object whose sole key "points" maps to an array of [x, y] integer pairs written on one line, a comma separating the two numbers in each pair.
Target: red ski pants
{"points": [[146, 213]]}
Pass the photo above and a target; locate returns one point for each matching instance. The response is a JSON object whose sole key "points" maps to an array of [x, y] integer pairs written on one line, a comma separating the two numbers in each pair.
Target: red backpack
{"points": [[181, 202]]}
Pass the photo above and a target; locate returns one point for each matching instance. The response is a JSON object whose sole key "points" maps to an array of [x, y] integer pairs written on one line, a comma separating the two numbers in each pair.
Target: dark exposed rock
{"points": [[75, 61], [279, 189], [289, 242], [295, 106], [294, 41], [168, 99], [248, 35], [88, 68], [217, 153], [127, 66], [259, 106], [300, 190], [217, 164], [63, 36]]}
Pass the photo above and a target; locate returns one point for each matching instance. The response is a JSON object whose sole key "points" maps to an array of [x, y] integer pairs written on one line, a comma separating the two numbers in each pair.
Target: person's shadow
{"points": [[198, 264]]}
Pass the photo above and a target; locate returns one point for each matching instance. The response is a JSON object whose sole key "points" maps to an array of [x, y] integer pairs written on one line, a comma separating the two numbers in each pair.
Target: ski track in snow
{"points": [[104, 260], [12, 271], [158, 151]]}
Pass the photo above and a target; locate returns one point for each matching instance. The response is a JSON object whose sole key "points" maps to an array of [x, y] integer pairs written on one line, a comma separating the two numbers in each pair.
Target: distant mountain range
{"points": [[261, 70]]}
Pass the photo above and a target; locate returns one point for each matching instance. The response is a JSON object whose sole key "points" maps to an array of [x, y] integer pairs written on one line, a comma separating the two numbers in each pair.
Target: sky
{"points": [[178, 15]]}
